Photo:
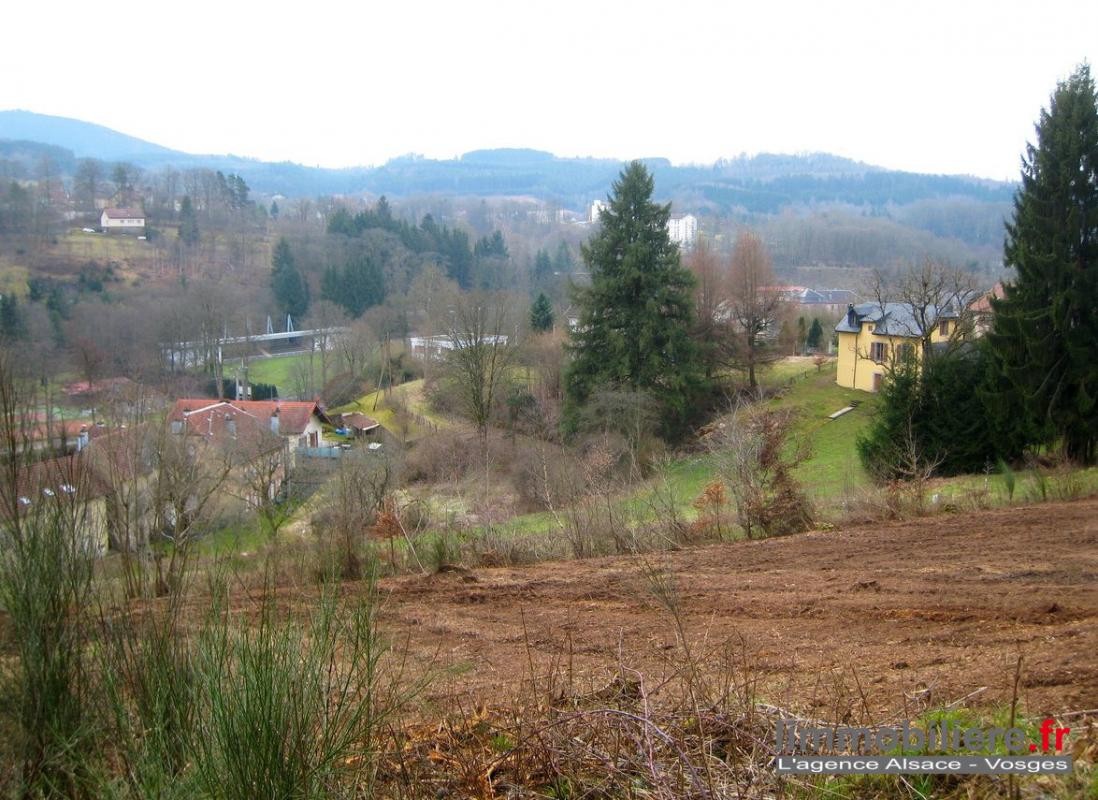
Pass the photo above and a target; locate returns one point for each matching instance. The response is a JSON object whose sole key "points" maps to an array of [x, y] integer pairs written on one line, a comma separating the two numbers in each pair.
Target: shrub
{"points": [[932, 420], [756, 459]]}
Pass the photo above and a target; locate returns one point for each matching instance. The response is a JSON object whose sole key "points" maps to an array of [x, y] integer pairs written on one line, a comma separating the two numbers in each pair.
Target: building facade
{"points": [[872, 337]]}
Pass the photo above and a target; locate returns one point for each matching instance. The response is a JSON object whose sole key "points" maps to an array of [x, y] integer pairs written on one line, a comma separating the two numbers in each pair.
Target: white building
{"points": [[435, 347], [597, 208], [683, 230], [122, 220]]}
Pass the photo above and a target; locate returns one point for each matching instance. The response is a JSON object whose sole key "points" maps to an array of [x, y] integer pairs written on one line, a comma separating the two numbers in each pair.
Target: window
{"points": [[905, 352], [878, 351], [943, 328]]}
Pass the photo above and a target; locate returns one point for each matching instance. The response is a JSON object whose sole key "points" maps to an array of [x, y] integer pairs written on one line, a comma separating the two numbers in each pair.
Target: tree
{"points": [[930, 419], [188, 222], [481, 352], [710, 294], [89, 174], [12, 325], [125, 176], [543, 268], [541, 314], [815, 334], [290, 290], [752, 305], [1045, 327], [934, 294], [636, 316], [356, 287]]}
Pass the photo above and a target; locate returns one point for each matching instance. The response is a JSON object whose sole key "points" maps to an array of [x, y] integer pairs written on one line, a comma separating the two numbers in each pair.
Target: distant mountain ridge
{"points": [[762, 184]]}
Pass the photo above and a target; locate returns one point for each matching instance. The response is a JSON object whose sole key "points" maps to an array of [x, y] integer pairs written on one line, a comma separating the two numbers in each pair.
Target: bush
{"points": [[932, 419], [756, 460]]}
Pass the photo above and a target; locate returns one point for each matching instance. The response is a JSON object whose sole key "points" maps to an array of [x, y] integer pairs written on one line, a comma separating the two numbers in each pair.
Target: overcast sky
{"points": [[951, 87]]}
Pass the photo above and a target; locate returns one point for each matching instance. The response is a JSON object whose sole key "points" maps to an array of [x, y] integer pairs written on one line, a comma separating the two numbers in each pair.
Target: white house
{"points": [[122, 220]]}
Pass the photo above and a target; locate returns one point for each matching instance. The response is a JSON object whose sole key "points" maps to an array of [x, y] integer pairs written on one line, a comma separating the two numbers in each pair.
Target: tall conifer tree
{"points": [[635, 317], [290, 290], [1045, 331]]}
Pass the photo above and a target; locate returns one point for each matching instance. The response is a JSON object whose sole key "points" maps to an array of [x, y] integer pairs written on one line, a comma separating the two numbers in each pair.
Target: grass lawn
{"points": [[278, 370], [833, 465]]}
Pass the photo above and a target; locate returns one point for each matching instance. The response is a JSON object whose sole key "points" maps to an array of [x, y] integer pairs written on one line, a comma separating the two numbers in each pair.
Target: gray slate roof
{"points": [[893, 319]]}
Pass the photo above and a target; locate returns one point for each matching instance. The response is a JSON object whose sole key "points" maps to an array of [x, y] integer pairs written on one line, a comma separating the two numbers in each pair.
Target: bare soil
{"points": [[890, 617]]}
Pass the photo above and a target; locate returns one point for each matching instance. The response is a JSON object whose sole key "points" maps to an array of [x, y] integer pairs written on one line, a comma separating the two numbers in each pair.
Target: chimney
{"points": [[230, 425], [274, 420], [851, 317], [82, 438]]}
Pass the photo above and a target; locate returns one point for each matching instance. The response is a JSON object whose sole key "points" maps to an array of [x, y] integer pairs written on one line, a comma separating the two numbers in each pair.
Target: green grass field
{"points": [[278, 370], [833, 464]]}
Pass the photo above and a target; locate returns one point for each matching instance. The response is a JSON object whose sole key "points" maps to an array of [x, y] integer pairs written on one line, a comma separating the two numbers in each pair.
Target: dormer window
{"points": [[943, 328]]}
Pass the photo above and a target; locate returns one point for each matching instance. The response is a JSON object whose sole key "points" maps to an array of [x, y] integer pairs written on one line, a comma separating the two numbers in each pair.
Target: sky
{"points": [[927, 86]]}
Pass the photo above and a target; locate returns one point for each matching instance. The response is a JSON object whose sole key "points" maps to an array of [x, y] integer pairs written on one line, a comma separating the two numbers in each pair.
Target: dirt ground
{"points": [[892, 617]]}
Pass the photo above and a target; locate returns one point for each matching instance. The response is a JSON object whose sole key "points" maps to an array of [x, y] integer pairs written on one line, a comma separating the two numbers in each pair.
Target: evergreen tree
{"points": [[11, 318], [541, 314], [188, 222], [563, 261], [1045, 329], [931, 418], [290, 290], [815, 334], [358, 286], [543, 268], [635, 317]]}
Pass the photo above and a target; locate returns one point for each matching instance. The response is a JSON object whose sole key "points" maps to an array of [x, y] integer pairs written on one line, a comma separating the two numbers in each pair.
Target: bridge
{"points": [[184, 355]]}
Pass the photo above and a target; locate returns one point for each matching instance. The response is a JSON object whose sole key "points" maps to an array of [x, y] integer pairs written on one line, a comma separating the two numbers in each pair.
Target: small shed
{"points": [[360, 425]]}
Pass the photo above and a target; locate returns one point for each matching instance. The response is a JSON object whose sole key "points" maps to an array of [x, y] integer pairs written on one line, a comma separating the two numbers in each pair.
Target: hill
{"points": [[764, 189], [762, 183], [84, 139]]}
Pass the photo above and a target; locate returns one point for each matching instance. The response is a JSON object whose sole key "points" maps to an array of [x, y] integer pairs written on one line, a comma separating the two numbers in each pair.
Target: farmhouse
{"points": [[300, 424], [122, 220], [872, 336]]}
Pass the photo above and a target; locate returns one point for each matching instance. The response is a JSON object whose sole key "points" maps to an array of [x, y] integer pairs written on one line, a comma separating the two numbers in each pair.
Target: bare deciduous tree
{"points": [[481, 353], [934, 294], [752, 305]]}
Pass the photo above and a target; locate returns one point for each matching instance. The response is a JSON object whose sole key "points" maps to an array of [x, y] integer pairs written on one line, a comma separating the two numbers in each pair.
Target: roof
{"points": [[891, 319], [124, 213], [360, 422], [242, 435], [56, 480], [983, 305], [101, 385], [293, 417]]}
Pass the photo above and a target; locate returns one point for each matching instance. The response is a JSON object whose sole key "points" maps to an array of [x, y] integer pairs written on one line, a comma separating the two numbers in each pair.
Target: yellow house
{"points": [[872, 336]]}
